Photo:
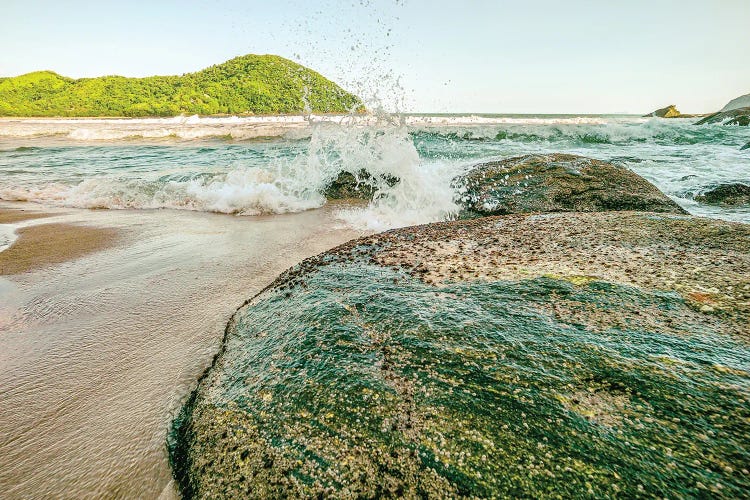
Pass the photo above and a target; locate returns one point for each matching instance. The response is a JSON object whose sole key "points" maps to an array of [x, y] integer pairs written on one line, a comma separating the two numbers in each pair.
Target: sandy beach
{"points": [[43, 245], [107, 318]]}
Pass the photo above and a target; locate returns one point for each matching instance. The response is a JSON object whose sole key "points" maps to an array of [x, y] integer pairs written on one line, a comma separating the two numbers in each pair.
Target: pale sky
{"points": [[522, 56]]}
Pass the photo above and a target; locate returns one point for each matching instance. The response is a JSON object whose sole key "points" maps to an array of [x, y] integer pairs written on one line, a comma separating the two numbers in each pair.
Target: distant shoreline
{"points": [[186, 116], [303, 116]]}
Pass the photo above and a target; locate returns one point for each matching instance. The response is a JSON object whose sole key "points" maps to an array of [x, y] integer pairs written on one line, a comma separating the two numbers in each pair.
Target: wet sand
{"points": [[14, 215], [48, 244], [98, 352]]}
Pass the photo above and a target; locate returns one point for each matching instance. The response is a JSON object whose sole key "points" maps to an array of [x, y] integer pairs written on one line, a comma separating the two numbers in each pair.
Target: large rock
{"points": [[742, 101], [668, 112], [735, 194], [739, 116], [557, 183], [358, 186], [559, 355]]}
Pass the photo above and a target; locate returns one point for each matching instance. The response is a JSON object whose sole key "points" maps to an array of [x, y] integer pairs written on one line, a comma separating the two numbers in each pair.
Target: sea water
{"points": [[271, 165]]}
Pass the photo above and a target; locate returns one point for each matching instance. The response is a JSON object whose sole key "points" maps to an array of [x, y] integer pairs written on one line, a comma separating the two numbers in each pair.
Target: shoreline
{"points": [[15, 215], [97, 355], [44, 245]]}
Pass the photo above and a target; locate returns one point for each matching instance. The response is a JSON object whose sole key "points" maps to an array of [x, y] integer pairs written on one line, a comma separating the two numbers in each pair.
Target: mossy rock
{"points": [[360, 185], [546, 356], [557, 183], [739, 116], [735, 194]]}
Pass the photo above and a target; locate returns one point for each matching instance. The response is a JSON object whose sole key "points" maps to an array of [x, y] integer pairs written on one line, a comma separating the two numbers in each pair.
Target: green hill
{"points": [[250, 84]]}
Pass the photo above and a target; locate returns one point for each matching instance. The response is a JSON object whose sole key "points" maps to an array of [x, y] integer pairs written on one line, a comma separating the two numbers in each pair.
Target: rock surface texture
{"points": [[545, 355], [360, 186], [667, 112], [736, 194], [738, 116], [742, 101], [557, 183]]}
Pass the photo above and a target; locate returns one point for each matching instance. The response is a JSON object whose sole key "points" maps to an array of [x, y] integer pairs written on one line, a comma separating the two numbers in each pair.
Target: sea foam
{"points": [[380, 146], [264, 165]]}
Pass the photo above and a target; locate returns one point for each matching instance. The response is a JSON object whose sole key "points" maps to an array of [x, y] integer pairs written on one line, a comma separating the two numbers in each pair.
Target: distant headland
{"points": [[245, 85]]}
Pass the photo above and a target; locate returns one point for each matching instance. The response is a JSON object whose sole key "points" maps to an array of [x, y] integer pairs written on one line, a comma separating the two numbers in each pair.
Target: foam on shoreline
{"points": [[248, 127]]}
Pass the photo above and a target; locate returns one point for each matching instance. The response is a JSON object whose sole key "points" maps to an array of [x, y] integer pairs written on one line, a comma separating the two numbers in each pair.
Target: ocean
{"points": [[272, 165]]}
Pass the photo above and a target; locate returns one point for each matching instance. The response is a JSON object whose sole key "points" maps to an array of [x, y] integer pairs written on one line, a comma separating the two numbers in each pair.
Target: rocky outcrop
{"points": [[360, 186], [667, 112], [546, 355], [670, 111], [557, 183], [735, 194], [742, 101], [739, 116]]}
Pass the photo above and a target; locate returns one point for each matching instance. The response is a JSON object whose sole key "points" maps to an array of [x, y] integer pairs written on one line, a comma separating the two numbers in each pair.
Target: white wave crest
{"points": [[248, 127], [423, 193]]}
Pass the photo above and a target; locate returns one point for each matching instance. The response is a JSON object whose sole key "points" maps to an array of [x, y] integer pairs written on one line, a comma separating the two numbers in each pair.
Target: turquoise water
{"points": [[251, 166]]}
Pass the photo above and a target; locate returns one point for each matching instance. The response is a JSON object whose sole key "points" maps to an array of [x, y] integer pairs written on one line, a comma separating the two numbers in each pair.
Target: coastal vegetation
{"points": [[250, 84]]}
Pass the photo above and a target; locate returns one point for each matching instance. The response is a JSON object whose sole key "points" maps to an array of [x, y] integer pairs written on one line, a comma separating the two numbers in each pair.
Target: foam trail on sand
{"points": [[7, 236]]}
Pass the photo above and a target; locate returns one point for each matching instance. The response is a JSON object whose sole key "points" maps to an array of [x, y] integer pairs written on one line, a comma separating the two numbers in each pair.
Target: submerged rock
{"points": [[668, 112], [359, 186], [738, 116], [569, 354], [746, 146], [736, 194], [557, 183]]}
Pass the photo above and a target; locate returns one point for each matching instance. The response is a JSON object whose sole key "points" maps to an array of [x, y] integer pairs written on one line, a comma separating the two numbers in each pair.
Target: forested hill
{"points": [[251, 84]]}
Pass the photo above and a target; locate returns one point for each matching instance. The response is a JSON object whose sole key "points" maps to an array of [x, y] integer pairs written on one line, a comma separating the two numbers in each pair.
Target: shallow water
{"points": [[97, 354], [262, 165]]}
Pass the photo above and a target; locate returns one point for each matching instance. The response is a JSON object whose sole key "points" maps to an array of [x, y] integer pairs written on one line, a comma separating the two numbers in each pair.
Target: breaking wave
{"points": [[618, 132], [585, 129], [278, 184], [91, 163]]}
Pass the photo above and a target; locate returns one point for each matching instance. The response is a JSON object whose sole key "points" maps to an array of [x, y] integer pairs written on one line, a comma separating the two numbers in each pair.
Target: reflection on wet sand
{"points": [[97, 352]]}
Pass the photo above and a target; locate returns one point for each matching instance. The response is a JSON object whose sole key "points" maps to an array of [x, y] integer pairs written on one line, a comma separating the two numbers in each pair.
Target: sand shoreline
{"points": [[97, 353], [42, 245], [13, 215]]}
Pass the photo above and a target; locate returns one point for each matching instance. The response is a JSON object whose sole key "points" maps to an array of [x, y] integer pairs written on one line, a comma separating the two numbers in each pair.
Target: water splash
{"points": [[222, 165]]}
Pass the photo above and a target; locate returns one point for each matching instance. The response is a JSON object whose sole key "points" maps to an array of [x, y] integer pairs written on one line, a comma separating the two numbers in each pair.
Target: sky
{"points": [[522, 56]]}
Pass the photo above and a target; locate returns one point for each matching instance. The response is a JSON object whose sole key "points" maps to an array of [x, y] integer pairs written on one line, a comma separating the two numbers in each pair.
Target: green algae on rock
{"points": [[359, 185], [737, 116], [555, 355], [555, 183], [735, 194]]}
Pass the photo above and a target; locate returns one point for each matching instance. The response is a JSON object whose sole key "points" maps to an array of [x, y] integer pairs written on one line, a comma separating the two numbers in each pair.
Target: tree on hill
{"points": [[251, 84]]}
